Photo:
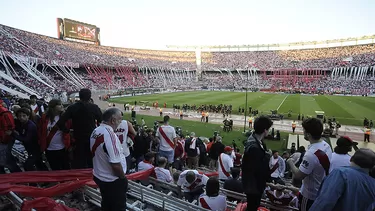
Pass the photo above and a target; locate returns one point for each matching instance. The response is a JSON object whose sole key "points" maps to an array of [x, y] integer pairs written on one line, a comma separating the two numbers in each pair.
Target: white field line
{"points": [[282, 102]]}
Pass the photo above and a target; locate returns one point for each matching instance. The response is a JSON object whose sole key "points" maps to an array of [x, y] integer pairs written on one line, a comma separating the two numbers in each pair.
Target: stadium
{"points": [[200, 88]]}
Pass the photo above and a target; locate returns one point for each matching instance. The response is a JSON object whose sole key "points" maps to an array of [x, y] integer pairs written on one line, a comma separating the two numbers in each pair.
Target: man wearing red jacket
{"points": [[6, 140]]}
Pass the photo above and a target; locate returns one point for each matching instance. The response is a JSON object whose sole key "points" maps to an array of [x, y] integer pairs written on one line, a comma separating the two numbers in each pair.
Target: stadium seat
{"points": [[302, 141]]}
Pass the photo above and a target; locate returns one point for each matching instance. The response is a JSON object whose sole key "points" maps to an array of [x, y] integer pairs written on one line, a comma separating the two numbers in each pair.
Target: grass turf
{"points": [[349, 110], [207, 130]]}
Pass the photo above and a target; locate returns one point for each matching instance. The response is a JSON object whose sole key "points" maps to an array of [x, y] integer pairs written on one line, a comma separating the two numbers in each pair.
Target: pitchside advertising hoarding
{"points": [[82, 31]]}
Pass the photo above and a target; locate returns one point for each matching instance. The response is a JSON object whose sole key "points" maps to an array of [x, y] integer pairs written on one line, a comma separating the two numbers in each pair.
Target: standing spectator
{"points": [[37, 109], [277, 166], [7, 125], [315, 163], [216, 149], [52, 140], [192, 151], [27, 134], [85, 116], [225, 163], [124, 129], [340, 157], [167, 139], [192, 183], [255, 161], [109, 162], [349, 188], [234, 183], [212, 200]]}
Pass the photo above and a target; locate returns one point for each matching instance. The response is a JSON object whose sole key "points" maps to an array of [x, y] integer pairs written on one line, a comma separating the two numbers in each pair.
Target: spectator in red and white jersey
{"points": [[279, 197], [54, 142], [192, 183], [315, 163], [225, 163], [212, 200], [109, 162], [340, 157], [161, 172], [35, 107], [124, 129], [277, 166], [167, 139], [147, 163]]}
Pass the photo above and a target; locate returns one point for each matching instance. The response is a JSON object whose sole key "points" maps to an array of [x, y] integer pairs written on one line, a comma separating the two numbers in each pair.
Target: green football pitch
{"points": [[349, 110]]}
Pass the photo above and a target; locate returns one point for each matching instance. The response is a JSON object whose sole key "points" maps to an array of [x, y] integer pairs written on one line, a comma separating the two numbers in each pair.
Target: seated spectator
{"points": [[280, 197], [192, 183], [212, 200], [340, 157], [147, 163], [162, 173], [234, 184]]}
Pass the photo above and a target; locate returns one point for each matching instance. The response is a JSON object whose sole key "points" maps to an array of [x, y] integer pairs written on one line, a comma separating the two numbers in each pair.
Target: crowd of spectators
{"points": [[39, 46]]}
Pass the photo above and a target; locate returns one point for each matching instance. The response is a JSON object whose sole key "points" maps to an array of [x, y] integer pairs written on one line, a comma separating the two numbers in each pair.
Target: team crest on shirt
{"points": [[305, 163], [119, 130]]}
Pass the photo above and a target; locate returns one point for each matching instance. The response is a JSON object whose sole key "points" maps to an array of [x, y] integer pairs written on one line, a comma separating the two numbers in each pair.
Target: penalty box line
{"points": [[282, 102]]}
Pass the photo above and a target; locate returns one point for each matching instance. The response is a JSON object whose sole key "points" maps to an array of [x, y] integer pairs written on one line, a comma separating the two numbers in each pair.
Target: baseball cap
{"points": [[227, 149], [345, 141]]}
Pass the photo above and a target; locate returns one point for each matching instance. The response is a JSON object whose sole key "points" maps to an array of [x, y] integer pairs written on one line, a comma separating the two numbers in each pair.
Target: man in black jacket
{"points": [[255, 169], [85, 117], [216, 149]]}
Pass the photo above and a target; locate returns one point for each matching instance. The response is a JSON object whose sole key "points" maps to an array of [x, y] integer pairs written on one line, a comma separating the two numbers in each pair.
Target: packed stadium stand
{"points": [[51, 61]]}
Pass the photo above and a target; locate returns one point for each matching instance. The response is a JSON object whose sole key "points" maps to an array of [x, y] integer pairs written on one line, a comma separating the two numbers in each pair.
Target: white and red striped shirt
{"points": [[217, 203], [104, 136], [226, 162], [163, 174]]}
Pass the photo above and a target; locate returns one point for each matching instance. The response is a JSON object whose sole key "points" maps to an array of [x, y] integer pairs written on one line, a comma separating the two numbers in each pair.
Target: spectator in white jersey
{"points": [[161, 172], [147, 163], [277, 166], [167, 137], [340, 157], [315, 163], [225, 163], [350, 188], [192, 183], [109, 162], [122, 131], [212, 200]]}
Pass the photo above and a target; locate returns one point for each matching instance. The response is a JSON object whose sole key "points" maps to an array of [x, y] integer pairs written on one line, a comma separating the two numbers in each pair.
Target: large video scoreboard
{"points": [[67, 28]]}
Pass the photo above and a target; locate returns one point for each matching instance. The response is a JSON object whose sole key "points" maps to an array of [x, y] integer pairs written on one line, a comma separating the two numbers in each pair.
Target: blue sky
{"points": [[157, 23]]}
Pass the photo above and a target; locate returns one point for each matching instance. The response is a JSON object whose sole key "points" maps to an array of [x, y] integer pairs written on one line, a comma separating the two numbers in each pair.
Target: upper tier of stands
{"points": [[34, 45]]}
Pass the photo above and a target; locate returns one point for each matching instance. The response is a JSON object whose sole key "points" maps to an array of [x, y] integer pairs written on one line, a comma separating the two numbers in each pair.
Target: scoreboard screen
{"points": [[82, 31]]}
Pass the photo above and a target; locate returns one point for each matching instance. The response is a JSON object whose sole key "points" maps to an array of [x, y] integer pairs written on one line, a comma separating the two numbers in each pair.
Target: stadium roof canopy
{"points": [[283, 46]]}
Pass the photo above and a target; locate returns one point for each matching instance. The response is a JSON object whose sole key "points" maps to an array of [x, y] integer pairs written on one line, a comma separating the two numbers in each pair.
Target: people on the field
{"points": [[351, 187], [294, 125], [367, 134], [109, 164], [255, 163], [315, 164]]}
